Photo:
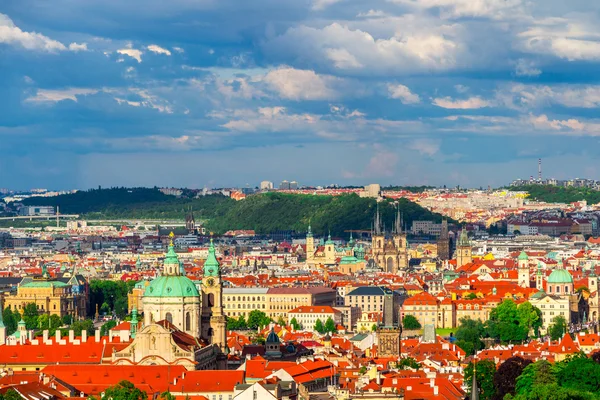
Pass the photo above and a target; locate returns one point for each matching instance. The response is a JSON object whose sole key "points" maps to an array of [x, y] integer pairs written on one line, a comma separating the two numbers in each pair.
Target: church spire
{"points": [[377, 222], [171, 263], [211, 265], [399, 219]]}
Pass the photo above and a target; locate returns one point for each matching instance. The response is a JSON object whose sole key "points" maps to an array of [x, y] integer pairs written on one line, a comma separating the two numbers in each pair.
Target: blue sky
{"points": [[218, 92]]}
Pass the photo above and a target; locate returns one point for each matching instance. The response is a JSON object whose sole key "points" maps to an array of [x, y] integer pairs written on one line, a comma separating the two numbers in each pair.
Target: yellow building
{"points": [[50, 296]]}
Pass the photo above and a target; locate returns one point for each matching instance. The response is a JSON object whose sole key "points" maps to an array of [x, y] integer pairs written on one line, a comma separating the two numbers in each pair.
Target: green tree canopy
{"points": [[409, 322], [11, 320], [484, 376], [530, 317], [558, 327], [330, 325], [30, 316], [319, 327], [124, 390], [408, 362], [468, 335], [294, 323], [504, 323], [257, 319]]}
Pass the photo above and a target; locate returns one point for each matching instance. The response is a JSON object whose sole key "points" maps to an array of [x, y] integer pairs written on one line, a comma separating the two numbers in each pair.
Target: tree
{"points": [[408, 362], [330, 326], [237, 324], [294, 323], [30, 316], [43, 322], [124, 390], [167, 396], [579, 373], [374, 328], [10, 394], [54, 323], [281, 321], [558, 327], [538, 373], [505, 377], [468, 335], [107, 326], [471, 296], [79, 326], [530, 317], [319, 327], [257, 319], [409, 322], [362, 370], [10, 320], [504, 324], [67, 319], [484, 376]]}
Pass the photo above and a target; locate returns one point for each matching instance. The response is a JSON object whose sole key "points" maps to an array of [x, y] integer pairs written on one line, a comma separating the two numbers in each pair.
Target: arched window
{"points": [[211, 300], [557, 289], [188, 321], [169, 317]]}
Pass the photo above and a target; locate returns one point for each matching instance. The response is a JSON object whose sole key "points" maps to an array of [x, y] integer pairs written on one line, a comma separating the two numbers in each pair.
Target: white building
{"points": [[307, 316], [266, 185]]}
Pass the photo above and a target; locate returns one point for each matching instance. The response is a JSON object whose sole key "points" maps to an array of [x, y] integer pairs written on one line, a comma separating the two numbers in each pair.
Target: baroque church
{"points": [[182, 325], [390, 251]]}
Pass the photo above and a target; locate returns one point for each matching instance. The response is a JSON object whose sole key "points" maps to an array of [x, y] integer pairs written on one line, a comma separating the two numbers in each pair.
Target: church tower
{"points": [[539, 278], [310, 246], [329, 251], [463, 250], [378, 238], [523, 270], [443, 243], [213, 318]]}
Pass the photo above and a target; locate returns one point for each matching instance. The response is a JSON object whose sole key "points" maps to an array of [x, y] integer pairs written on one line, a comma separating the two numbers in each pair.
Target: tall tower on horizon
{"points": [[539, 169]]}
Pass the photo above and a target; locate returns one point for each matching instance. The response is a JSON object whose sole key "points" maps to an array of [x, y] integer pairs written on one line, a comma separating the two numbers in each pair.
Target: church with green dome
{"points": [[173, 297]]}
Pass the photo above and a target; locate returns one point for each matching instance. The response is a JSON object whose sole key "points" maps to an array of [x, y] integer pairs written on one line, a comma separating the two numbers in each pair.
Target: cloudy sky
{"points": [[219, 92]]}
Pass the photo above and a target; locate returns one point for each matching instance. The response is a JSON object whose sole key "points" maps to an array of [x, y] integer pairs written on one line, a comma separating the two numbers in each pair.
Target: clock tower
{"points": [[213, 320]]}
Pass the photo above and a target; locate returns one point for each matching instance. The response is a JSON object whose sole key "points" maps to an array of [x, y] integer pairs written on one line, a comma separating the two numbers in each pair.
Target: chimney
{"points": [[83, 336], [436, 391], [45, 337], [71, 335], [58, 335], [97, 335], [432, 382], [30, 335]]}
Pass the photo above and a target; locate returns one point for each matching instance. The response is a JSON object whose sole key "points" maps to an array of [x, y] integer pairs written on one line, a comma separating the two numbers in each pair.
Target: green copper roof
{"points": [[463, 239], [171, 257], [171, 286], [43, 284], [523, 256], [211, 265], [329, 241], [348, 260], [560, 276]]}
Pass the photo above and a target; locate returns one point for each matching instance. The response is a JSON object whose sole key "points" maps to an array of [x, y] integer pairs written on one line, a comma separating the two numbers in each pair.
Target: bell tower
{"points": [[213, 318], [523, 269], [310, 246], [463, 250]]}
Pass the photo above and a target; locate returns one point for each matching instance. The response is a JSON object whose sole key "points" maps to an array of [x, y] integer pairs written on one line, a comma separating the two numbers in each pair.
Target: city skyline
{"points": [[434, 92]]}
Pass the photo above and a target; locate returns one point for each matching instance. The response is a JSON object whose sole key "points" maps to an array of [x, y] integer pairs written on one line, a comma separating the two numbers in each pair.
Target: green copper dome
{"points": [[211, 265], [560, 276], [523, 256], [348, 260], [171, 286]]}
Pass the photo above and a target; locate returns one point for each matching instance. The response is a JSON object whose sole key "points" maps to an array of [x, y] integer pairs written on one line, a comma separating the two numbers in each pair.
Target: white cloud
{"points": [[297, 84], [403, 93], [178, 49], [526, 68], [158, 50], [565, 95], [435, 48], [322, 4], [470, 8], [131, 52], [372, 14], [467, 104], [11, 34], [574, 38], [78, 47], [54, 96], [543, 122], [427, 147]]}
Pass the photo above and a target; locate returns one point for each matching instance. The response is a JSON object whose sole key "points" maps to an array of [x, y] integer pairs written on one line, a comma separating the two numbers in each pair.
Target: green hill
{"points": [[558, 194], [264, 213], [135, 203]]}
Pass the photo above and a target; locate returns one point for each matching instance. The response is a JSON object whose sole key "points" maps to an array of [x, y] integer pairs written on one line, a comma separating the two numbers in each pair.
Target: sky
{"points": [[195, 93]]}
